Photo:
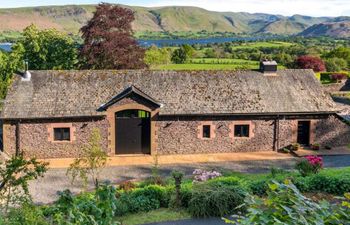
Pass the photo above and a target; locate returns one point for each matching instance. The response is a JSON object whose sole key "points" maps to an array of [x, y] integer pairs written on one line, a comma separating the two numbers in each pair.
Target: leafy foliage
{"points": [[157, 56], [15, 175], [177, 175], [100, 209], [284, 205], [108, 40], [143, 199], [310, 62], [179, 56], [91, 161], [212, 200], [9, 64], [336, 64], [46, 49], [309, 165]]}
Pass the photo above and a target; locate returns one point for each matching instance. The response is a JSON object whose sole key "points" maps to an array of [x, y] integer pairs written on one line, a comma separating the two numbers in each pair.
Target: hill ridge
{"points": [[70, 18]]}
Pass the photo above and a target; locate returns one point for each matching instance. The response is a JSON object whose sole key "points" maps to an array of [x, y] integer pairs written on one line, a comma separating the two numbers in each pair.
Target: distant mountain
{"points": [[331, 29], [70, 18]]}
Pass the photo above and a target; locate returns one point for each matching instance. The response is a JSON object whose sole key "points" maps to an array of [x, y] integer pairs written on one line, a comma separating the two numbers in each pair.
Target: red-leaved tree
{"points": [[108, 40], [310, 62]]}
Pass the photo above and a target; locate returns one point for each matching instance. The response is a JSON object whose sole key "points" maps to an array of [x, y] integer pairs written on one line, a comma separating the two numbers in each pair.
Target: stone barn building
{"points": [[51, 114]]}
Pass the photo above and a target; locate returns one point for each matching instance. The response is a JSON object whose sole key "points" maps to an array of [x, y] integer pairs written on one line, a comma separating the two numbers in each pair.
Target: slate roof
{"points": [[80, 93]]}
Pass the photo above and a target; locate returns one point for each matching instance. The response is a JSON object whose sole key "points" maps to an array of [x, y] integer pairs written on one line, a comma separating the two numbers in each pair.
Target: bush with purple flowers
{"points": [[204, 175]]}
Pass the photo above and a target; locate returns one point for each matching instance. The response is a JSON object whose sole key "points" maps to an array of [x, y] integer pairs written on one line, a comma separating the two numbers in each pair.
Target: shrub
{"points": [[99, 208], [309, 165], [258, 187], [295, 146], [178, 179], [338, 76], [225, 181], [127, 186], [26, 214], [90, 162], [315, 146], [143, 199], [310, 62], [284, 205], [337, 185], [209, 200], [203, 175]]}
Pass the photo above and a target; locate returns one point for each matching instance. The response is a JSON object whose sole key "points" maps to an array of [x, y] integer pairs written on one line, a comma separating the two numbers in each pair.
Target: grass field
{"points": [[272, 44], [212, 64], [194, 66]]}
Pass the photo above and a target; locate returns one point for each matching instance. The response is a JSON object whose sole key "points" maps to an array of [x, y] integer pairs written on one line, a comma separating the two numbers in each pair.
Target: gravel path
{"points": [[44, 190]]}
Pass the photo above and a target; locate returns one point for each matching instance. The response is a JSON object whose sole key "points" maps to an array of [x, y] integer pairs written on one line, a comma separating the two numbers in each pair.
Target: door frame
{"points": [[112, 125], [142, 134], [312, 130]]}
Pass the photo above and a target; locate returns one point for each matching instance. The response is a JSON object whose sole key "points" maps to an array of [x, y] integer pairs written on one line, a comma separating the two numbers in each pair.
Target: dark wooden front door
{"points": [[304, 132], [132, 132]]}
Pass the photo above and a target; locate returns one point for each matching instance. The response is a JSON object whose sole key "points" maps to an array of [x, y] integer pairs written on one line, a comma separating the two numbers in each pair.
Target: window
{"points": [[206, 131], [241, 131], [133, 114], [61, 134]]}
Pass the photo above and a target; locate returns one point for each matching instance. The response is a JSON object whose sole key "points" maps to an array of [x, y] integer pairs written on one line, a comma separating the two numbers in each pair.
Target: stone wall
{"points": [[181, 137], [35, 141], [332, 132], [176, 135]]}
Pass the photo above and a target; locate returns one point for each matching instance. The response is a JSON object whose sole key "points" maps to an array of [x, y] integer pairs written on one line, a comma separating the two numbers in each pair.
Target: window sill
{"points": [[62, 142]]}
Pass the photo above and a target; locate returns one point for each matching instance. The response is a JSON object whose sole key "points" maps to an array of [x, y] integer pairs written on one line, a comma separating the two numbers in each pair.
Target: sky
{"points": [[283, 7]]}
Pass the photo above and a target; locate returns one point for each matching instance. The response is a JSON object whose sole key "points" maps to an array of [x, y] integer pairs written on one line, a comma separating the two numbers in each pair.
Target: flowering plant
{"points": [[204, 175], [338, 76], [309, 165]]}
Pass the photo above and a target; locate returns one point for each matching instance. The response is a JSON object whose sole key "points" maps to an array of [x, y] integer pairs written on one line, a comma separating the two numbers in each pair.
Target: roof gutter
{"points": [[188, 114], [254, 114]]}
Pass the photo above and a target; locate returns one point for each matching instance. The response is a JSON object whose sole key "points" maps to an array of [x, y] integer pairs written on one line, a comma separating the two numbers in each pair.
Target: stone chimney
{"points": [[26, 75], [268, 68]]}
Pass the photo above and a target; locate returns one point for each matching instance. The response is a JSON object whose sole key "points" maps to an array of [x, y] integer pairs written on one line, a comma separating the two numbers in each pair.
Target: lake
{"points": [[177, 42], [5, 46]]}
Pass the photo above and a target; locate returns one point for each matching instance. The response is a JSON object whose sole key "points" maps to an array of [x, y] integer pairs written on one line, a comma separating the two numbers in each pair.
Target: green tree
{"points": [[335, 64], [91, 161], [210, 53], [179, 56], [341, 52], [189, 50], [15, 174], [46, 49], [157, 56], [9, 64]]}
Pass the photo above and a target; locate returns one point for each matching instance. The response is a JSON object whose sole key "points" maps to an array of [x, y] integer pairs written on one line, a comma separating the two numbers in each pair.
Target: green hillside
{"points": [[70, 18]]}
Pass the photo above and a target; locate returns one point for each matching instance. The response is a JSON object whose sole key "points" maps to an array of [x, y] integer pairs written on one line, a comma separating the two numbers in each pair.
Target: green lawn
{"points": [[213, 64], [223, 61], [159, 215], [274, 44], [201, 67]]}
